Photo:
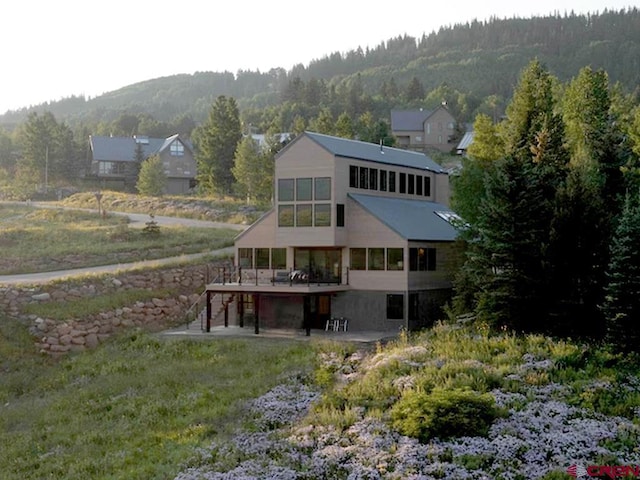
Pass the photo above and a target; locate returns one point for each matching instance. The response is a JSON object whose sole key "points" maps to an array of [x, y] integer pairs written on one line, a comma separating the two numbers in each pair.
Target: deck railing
{"points": [[280, 277]]}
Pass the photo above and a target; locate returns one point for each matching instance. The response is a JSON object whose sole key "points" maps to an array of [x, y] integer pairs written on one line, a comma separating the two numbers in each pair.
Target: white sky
{"points": [[55, 49]]}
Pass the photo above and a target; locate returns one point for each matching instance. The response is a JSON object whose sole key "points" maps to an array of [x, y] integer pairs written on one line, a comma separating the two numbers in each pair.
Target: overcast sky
{"points": [[55, 49]]}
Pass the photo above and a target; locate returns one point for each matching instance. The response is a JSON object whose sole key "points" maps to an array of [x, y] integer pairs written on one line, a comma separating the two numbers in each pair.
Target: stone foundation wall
{"points": [[56, 337]]}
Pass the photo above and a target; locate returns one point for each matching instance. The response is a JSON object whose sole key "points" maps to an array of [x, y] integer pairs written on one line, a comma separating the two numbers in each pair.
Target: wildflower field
{"points": [[451, 403], [454, 402]]}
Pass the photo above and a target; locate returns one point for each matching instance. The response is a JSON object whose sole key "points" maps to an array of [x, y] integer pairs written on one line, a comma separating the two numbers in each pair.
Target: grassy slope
{"points": [[133, 409], [140, 407]]}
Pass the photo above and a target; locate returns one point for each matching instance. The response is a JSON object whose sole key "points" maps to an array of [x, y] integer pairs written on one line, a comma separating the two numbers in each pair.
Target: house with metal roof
{"points": [[115, 161], [360, 236], [421, 130]]}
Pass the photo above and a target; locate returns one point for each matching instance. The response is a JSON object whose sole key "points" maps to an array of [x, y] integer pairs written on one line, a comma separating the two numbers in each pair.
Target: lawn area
{"points": [[38, 240], [135, 408]]}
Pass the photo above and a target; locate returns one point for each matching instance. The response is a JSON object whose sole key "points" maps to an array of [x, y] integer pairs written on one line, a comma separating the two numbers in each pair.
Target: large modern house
{"points": [[115, 161], [421, 130], [358, 232]]}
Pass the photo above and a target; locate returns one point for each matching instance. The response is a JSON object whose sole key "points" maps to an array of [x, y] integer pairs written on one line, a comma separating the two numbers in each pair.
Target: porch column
{"points": [[208, 315], [226, 313], [241, 310], [256, 312]]}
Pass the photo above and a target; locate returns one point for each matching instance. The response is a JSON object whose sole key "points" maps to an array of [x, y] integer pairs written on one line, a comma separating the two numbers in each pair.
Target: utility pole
{"points": [[46, 170]]}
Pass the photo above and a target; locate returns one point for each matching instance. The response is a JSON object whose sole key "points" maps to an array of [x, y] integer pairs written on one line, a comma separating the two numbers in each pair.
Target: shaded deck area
{"points": [[234, 331]]}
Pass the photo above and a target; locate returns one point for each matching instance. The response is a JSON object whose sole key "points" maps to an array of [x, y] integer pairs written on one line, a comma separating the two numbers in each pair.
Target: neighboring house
{"points": [[115, 159], [261, 138], [421, 130], [358, 230], [463, 145]]}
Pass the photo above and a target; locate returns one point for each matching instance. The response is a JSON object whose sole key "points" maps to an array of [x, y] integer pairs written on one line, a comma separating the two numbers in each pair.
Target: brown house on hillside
{"points": [[115, 161], [421, 130]]}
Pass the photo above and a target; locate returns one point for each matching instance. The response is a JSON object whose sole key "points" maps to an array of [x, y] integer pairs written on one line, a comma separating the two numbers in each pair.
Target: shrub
{"points": [[443, 414]]}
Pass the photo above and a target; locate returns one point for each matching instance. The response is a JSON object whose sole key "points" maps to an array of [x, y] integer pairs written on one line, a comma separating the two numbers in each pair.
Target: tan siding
{"points": [[304, 159], [260, 234], [366, 231]]}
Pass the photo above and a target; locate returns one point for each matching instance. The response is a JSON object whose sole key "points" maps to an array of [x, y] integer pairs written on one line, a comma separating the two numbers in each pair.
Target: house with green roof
{"points": [[360, 235]]}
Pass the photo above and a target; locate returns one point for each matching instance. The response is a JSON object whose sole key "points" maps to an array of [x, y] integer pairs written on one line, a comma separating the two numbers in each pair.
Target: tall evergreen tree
{"points": [[504, 265], [415, 90], [216, 142], [622, 300], [510, 238]]}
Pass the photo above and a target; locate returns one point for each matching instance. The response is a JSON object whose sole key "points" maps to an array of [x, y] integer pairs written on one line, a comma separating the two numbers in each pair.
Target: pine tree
{"points": [[216, 142], [504, 261], [152, 180], [622, 300], [253, 170]]}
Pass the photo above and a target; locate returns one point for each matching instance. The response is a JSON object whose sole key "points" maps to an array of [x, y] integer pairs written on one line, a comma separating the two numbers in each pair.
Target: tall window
{"points": [[358, 258], [285, 215], [322, 188], [422, 259], [304, 215], [373, 178], [419, 185], [383, 180], [395, 306], [392, 181], [364, 177], [411, 184], [403, 183], [262, 258], [340, 215], [427, 186], [285, 189], [376, 259], [245, 257], [303, 189], [395, 257], [278, 258], [353, 177], [322, 215]]}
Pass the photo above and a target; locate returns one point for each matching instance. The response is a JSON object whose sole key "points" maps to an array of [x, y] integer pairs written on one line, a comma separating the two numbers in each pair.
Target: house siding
{"points": [[363, 295]]}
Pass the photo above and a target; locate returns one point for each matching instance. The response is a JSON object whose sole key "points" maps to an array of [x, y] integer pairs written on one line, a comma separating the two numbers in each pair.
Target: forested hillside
{"points": [[472, 66]]}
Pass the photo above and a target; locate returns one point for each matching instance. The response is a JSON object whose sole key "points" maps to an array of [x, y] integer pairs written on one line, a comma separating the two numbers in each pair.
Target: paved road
{"points": [[138, 220], [45, 277]]}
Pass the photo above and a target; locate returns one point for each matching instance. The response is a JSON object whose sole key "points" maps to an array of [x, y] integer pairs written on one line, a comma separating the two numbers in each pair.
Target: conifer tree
{"points": [[216, 142], [152, 180], [622, 300]]}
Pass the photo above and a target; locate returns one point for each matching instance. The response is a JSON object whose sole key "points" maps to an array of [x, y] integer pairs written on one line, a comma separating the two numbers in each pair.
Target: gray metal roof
{"points": [[123, 149], [409, 120], [342, 147], [411, 219], [467, 139]]}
